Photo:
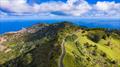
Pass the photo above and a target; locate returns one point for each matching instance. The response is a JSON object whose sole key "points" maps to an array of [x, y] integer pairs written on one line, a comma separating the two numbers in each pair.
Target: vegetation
{"points": [[94, 37], [41, 46]]}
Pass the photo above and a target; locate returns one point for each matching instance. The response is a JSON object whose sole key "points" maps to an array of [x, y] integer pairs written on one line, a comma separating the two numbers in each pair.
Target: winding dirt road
{"points": [[62, 54], [60, 64]]}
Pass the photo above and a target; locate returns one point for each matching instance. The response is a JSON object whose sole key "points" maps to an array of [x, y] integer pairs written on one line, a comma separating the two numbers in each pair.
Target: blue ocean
{"points": [[15, 25]]}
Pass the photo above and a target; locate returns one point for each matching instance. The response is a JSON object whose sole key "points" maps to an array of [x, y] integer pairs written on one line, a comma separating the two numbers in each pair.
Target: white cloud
{"points": [[78, 9], [49, 6], [71, 7], [17, 6], [68, 8], [105, 6]]}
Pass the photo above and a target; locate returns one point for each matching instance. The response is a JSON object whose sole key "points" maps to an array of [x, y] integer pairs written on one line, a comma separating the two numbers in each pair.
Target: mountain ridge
{"points": [[42, 46]]}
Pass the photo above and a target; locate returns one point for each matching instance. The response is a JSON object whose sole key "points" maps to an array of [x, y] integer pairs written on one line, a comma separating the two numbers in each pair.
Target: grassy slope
{"points": [[42, 48], [38, 49], [74, 58]]}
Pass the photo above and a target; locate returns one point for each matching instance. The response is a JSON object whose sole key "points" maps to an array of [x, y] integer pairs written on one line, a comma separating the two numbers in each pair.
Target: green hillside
{"points": [[60, 45]]}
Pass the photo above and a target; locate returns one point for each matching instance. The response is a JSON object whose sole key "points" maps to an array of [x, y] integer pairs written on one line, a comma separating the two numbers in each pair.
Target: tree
{"points": [[94, 37]]}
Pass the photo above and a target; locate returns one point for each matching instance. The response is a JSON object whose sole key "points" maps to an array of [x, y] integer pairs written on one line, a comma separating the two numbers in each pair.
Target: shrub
{"points": [[103, 54], [108, 43], [94, 53], [104, 37], [88, 59], [83, 31], [113, 62], [95, 46], [94, 37], [86, 45], [74, 37], [71, 38], [77, 43], [27, 59], [68, 38]]}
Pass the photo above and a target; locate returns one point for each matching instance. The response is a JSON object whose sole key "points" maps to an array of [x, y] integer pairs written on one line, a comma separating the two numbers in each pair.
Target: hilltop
{"points": [[60, 45]]}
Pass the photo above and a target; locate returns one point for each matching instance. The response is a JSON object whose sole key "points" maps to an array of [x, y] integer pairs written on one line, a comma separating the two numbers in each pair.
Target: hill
{"points": [[60, 45]]}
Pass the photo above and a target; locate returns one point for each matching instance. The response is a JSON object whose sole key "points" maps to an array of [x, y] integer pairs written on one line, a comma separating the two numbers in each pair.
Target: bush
{"points": [[94, 53], [74, 37], [113, 62], [95, 46], [83, 31], [103, 54], [88, 59], [77, 43], [94, 37], [104, 37], [108, 43], [27, 59], [86, 45], [71, 38]]}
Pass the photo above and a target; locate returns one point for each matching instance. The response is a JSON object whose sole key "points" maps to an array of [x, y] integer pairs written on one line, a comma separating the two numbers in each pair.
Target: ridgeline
{"points": [[60, 45]]}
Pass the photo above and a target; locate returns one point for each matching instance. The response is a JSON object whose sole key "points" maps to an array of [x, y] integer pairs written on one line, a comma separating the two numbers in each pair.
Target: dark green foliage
{"points": [[68, 38], [94, 53], [103, 54], [79, 47], [108, 33], [104, 37], [112, 61], [77, 44], [95, 46], [74, 36], [98, 29], [71, 38], [39, 49], [83, 31], [108, 43], [88, 59], [94, 37], [28, 58], [86, 45]]}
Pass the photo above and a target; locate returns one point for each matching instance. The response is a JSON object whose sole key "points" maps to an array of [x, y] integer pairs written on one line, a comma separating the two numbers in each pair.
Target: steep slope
{"points": [[60, 45], [92, 48]]}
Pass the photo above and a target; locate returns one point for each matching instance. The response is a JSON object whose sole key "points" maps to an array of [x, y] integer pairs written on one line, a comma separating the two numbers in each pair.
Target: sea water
{"points": [[15, 25]]}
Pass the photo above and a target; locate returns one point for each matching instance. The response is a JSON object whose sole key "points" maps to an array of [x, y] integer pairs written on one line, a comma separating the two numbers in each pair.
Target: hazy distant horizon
{"points": [[15, 25], [53, 17]]}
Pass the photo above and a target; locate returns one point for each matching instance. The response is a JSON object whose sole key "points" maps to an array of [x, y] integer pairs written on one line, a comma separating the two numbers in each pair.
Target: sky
{"points": [[55, 8]]}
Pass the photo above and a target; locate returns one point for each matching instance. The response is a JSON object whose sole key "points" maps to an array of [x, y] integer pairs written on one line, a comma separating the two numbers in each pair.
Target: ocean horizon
{"points": [[15, 25]]}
